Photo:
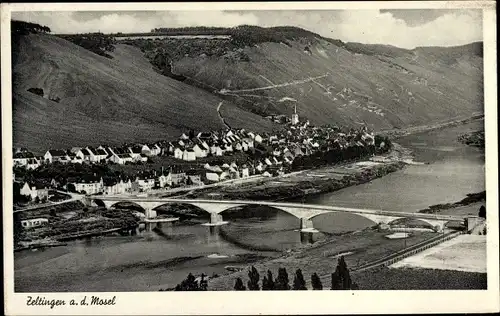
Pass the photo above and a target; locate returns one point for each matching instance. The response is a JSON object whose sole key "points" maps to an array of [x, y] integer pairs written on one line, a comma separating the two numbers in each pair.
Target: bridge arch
{"points": [[240, 208], [137, 206], [199, 210]]}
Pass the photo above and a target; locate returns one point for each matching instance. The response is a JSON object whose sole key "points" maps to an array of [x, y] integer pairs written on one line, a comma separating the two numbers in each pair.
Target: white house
{"points": [[245, 172], [188, 155], [120, 159], [143, 184], [155, 150], [85, 155], [89, 186], [216, 150], [135, 152], [199, 152], [21, 158], [178, 177], [32, 164], [165, 180], [212, 176], [258, 138], [34, 190], [178, 153], [53, 155], [244, 146], [99, 154], [115, 187]]}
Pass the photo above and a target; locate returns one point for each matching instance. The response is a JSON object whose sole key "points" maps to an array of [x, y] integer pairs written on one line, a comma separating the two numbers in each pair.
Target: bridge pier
{"points": [[87, 201], [306, 225], [150, 213], [215, 220]]}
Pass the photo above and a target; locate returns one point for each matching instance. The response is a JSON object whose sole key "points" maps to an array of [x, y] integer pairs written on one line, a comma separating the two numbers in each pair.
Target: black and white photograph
{"points": [[248, 149]]}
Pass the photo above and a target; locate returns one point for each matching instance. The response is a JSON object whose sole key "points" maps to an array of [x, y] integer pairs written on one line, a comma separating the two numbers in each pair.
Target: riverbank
{"points": [[311, 182], [472, 198], [358, 249], [475, 139], [396, 133]]}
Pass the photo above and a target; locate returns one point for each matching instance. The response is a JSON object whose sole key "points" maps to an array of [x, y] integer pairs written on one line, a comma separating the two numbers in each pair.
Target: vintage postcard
{"points": [[178, 158]]}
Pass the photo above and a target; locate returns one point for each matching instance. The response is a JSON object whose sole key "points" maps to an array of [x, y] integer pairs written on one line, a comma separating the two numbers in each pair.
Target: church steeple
{"points": [[295, 116]]}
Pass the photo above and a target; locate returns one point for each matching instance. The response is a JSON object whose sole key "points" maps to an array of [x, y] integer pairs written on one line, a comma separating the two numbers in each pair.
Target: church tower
{"points": [[295, 116]]}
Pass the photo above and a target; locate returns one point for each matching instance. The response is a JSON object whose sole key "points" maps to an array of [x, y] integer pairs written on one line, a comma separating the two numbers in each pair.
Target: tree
{"points": [[341, 279], [316, 282], [53, 212], [71, 188], [298, 281], [189, 284], [282, 280], [253, 283], [270, 281], [482, 211], [238, 286], [18, 229], [336, 280], [265, 284], [203, 283]]}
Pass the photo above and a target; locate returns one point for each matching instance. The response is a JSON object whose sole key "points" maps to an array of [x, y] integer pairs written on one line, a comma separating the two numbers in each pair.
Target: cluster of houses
{"points": [[268, 154]]}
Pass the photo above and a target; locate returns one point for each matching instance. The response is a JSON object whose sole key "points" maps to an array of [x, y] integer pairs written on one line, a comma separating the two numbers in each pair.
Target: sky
{"points": [[405, 28]]}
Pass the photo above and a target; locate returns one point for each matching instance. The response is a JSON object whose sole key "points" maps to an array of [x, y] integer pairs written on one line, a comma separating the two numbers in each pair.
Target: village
{"points": [[193, 160]]}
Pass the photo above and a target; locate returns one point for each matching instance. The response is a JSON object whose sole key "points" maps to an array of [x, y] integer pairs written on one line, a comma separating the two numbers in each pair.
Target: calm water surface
{"points": [[162, 257]]}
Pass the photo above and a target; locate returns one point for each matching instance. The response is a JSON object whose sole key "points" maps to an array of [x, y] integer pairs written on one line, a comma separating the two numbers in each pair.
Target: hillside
{"points": [[330, 81], [89, 99], [152, 89]]}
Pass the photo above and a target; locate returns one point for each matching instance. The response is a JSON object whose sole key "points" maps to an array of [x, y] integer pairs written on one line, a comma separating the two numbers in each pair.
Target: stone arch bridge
{"points": [[305, 212]]}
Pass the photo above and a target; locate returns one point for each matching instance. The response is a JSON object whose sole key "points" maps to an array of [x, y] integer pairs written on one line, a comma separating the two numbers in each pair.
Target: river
{"points": [[161, 258]]}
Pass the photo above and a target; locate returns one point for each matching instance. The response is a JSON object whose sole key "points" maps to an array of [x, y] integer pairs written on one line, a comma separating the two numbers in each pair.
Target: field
{"points": [[321, 257], [464, 253], [105, 101], [419, 279]]}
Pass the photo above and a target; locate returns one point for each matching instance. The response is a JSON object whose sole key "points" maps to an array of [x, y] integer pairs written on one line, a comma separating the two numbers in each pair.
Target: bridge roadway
{"points": [[305, 212]]}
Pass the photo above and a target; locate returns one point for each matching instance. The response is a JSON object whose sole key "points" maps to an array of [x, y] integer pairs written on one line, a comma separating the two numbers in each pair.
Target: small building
{"points": [[99, 154], [120, 159], [164, 180], [34, 190], [135, 152], [20, 159], [34, 222], [194, 176], [178, 153], [155, 149], [86, 155], [114, 186], [245, 173], [178, 177], [88, 185], [53, 155], [199, 151], [212, 176], [188, 155], [143, 184]]}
